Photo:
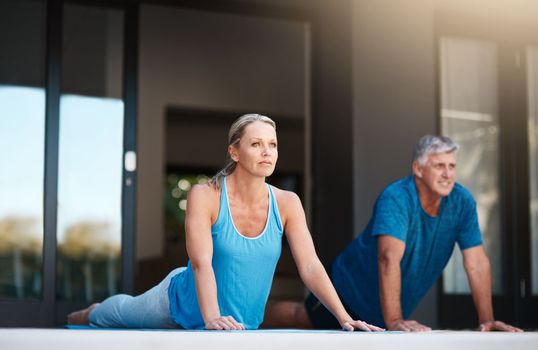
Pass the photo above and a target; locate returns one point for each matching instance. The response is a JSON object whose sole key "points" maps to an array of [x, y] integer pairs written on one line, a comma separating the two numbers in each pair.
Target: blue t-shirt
{"points": [[429, 243]]}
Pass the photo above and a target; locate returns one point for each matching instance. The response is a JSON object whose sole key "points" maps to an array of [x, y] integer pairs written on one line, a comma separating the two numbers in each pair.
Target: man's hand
{"points": [[407, 326], [489, 326], [227, 323], [361, 326]]}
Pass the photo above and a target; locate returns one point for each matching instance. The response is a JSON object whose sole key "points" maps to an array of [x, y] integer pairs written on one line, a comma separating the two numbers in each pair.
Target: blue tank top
{"points": [[243, 266]]}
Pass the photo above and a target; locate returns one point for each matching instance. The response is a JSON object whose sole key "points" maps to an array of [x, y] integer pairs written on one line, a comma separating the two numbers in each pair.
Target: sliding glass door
{"points": [[66, 233]]}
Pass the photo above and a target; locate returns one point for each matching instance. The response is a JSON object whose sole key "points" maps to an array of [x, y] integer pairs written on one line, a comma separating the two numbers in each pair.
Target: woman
{"points": [[234, 228]]}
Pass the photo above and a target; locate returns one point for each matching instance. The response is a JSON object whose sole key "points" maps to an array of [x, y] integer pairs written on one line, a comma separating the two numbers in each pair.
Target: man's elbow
{"points": [[480, 265], [387, 259]]}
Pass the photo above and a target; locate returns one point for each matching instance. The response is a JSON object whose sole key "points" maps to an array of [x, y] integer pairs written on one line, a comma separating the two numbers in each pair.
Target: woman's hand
{"points": [[226, 323], [361, 326]]}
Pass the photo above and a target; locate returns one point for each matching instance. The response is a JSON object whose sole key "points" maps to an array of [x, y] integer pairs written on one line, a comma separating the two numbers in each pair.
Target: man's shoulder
{"points": [[400, 188], [401, 192]]}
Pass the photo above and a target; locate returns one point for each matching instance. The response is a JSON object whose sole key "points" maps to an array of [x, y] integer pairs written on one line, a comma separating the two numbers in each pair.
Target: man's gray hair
{"points": [[433, 144]]}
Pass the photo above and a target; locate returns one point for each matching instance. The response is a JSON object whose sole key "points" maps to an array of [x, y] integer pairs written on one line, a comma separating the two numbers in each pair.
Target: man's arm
{"points": [[390, 253], [478, 270]]}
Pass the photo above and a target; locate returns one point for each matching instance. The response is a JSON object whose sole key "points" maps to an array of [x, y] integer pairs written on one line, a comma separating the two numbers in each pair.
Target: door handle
{"points": [[130, 161]]}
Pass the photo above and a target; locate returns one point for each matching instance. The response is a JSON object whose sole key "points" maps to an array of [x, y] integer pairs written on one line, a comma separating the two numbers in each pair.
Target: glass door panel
{"points": [[22, 148], [469, 115], [90, 155]]}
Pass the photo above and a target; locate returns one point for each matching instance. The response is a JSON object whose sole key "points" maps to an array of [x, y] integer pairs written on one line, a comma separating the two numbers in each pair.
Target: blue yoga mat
{"points": [[275, 330]]}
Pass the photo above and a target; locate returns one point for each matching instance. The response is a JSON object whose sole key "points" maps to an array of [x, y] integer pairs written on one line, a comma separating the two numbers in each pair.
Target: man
{"points": [[385, 272]]}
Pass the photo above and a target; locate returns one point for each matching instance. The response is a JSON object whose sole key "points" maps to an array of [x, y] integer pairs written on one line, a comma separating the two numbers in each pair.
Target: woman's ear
{"points": [[232, 151]]}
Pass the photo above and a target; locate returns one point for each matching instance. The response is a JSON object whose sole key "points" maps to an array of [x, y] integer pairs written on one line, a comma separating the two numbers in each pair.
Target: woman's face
{"points": [[257, 150]]}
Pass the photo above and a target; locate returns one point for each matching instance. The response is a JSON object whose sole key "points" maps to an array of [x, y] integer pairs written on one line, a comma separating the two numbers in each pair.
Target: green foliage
{"points": [[177, 187]]}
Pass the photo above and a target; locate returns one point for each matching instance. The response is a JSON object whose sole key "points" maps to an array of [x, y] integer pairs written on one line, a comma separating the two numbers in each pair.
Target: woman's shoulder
{"points": [[284, 194], [204, 191], [204, 196], [286, 200]]}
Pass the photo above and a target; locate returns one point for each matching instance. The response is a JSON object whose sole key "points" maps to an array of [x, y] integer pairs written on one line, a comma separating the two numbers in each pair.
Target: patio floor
{"points": [[60, 339]]}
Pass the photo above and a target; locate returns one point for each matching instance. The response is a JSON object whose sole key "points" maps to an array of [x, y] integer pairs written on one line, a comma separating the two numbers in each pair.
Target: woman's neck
{"points": [[245, 187]]}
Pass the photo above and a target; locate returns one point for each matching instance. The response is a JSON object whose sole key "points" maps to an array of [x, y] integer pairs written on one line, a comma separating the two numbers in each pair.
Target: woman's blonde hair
{"points": [[234, 136]]}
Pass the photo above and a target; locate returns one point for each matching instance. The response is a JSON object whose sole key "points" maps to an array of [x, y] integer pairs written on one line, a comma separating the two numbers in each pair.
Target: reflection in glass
{"points": [[22, 128], [89, 196], [90, 156], [532, 83], [469, 116], [22, 141]]}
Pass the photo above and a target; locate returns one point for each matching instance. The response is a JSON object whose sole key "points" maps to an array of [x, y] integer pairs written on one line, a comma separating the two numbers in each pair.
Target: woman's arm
{"points": [[198, 221], [309, 266]]}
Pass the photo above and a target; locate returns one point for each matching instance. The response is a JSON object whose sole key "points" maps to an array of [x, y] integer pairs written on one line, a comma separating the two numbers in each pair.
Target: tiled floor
{"points": [[64, 339]]}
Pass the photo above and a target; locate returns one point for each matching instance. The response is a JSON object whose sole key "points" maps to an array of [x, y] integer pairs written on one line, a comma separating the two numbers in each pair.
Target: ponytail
{"points": [[216, 181]]}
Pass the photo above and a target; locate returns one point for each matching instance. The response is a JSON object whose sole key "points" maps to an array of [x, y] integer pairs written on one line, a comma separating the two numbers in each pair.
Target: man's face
{"points": [[438, 174]]}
